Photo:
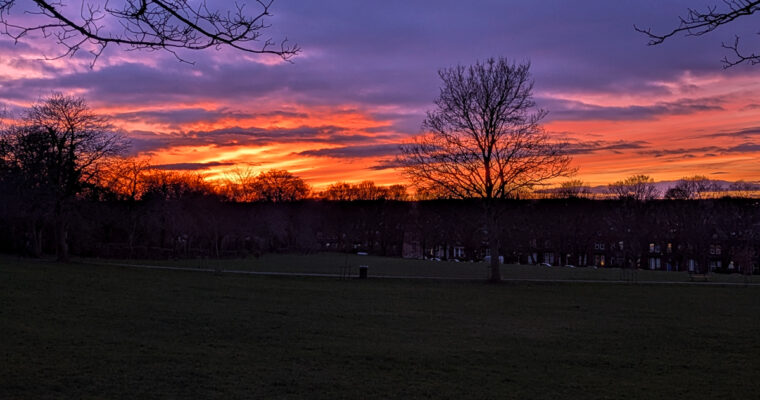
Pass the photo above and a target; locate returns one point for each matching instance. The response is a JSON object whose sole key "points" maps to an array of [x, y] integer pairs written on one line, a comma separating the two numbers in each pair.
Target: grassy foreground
{"points": [[85, 331]]}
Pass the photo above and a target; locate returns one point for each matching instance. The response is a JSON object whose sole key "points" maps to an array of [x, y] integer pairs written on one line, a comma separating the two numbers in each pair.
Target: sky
{"points": [[368, 73]]}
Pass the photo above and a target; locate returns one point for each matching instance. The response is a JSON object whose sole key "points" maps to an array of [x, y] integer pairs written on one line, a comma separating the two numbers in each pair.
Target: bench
{"points": [[701, 277]]}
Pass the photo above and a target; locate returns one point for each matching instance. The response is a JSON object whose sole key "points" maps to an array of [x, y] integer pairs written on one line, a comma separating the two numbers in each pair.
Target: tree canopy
{"points": [[636, 187], [484, 138], [58, 150]]}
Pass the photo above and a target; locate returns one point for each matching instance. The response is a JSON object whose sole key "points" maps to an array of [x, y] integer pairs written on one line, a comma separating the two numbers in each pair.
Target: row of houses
{"points": [[699, 237], [663, 256], [655, 255]]}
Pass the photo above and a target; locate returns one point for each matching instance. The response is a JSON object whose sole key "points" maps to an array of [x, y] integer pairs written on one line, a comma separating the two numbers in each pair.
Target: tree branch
{"points": [[698, 23], [168, 25]]}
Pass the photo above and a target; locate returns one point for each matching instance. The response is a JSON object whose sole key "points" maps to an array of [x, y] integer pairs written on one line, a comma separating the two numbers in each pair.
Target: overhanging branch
{"points": [[169, 25]]}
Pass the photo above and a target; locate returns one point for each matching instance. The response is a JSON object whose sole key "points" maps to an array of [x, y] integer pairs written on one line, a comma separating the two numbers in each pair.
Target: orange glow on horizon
{"points": [[598, 168], [666, 143]]}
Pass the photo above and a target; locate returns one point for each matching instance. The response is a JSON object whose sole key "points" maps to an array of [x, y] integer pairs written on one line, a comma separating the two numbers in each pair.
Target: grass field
{"points": [[89, 331], [334, 263]]}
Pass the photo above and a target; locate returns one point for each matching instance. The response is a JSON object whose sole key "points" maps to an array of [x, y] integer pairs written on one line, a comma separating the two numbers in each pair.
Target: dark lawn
{"points": [[82, 331]]}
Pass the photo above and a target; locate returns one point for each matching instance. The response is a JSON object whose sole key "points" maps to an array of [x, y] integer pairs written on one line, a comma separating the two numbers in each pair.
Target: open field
{"points": [[80, 331], [334, 263]]}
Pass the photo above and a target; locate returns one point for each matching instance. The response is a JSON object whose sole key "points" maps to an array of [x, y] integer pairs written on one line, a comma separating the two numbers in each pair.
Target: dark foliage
{"points": [[660, 234]]}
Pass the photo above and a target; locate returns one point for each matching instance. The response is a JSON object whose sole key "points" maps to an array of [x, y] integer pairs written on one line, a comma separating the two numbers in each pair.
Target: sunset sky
{"points": [[367, 74]]}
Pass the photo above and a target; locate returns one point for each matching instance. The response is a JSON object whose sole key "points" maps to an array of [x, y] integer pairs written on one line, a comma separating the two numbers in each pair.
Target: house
{"points": [[604, 234]]}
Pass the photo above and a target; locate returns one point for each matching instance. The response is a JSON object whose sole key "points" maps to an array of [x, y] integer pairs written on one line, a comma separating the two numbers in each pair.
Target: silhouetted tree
{"points": [[572, 189], [239, 185], [60, 148], [428, 193], [168, 25], [173, 185], [365, 190], [693, 187], [700, 22], [636, 187], [743, 189], [340, 191], [397, 192], [279, 185], [485, 140], [126, 178]]}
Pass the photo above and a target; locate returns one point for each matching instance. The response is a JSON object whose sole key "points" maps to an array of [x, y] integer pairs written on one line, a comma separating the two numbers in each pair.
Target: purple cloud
{"points": [[593, 146], [363, 151], [575, 110]]}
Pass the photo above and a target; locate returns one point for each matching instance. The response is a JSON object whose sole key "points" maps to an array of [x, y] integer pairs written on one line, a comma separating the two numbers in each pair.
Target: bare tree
{"points": [[484, 141], [572, 189], [278, 185], [367, 190], [700, 22], [397, 192], [239, 185], [126, 178], [636, 187], [60, 148], [168, 25], [743, 189], [692, 187], [175, 185], [340, 191]]}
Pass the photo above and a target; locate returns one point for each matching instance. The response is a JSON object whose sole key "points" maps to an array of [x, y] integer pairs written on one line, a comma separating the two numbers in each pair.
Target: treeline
{"points": [[198, 226], [135, 179], [643, 188]]}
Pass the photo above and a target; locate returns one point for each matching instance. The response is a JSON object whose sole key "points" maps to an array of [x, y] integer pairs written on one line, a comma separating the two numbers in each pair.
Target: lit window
{"points": [[599, 260], [458, 252], [549, 258]]}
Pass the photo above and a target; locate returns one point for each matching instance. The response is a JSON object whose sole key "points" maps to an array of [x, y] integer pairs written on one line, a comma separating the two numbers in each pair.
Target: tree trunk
{"points": [[61, 248], [493, 243], [36, 241], [131, 240], [132, 228]]}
